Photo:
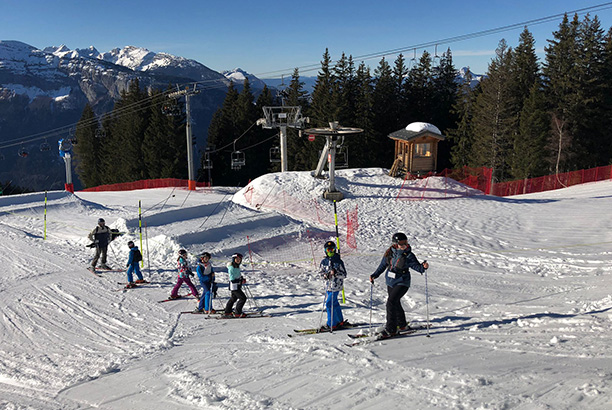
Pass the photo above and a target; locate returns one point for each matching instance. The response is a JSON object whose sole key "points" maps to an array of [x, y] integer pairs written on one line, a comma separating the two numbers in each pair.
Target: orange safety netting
{"points": [[146, 184]]}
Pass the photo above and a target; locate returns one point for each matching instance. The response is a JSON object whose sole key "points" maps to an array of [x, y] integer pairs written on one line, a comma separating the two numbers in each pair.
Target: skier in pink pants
{"points": [[184, 272]]}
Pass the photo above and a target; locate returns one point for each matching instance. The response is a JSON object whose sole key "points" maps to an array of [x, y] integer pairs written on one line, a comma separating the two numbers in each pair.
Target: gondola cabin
{"points": [[416, 149]]}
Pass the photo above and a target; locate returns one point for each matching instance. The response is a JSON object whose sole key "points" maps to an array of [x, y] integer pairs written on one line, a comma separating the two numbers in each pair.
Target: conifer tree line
{"points": [[135, 141], [524, 119]]}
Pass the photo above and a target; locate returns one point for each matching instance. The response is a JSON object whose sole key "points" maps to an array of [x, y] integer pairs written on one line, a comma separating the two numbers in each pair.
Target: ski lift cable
{"points": [[448, 40]]}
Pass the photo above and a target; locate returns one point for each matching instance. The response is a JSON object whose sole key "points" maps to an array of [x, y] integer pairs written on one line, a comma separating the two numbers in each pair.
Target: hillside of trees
{"points": [[527, 118]]}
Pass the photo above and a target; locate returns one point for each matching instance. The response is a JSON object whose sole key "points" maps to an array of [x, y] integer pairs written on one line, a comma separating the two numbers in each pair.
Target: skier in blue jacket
{"points": [[133, 265], [396, 263], [332, 269], [206, 275]]}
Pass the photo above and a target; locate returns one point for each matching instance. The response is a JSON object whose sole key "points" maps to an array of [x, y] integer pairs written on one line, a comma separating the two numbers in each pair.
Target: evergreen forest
{"points": [[526, 118]]}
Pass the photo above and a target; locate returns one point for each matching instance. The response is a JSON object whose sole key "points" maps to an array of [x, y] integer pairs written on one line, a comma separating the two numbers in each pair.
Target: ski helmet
{"points": [[237, 255], [130, 243], [330, 245], [397, 237], [183, 252], [101, 220], [205, 254]]}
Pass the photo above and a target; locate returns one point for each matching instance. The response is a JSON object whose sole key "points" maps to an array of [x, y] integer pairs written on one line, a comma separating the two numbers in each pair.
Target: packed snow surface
{"points": [[519, 295]]}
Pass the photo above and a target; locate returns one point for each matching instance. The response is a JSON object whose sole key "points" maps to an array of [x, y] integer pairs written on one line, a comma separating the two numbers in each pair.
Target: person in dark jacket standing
{"points": [[101, 237], [396, 262]]}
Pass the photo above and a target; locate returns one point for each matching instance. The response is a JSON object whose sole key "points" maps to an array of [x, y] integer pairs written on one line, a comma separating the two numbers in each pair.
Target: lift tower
{"points": [[187, 93], [281, 118]]}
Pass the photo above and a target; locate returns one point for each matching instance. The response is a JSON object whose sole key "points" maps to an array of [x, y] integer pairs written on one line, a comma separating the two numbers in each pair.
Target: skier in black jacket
{"points": [[396, 262], [101, 237]]}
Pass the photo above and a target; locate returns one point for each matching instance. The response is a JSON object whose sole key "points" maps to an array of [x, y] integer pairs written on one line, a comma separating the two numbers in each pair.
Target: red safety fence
{"points": [[550, 182], [146, 184]]}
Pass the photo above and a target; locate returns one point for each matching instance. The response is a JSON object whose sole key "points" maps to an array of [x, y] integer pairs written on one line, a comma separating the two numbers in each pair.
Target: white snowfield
{"points": [[520, 301]]}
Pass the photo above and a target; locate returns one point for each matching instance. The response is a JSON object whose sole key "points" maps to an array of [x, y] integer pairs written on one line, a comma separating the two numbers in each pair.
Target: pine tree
{"points": [[461, 136], [164, 145], [124, 159], [493, 117], [560, 80], [384, 120], [534, 128], [444, 84], [420, 90], [296, 145], [365, 142], [524, 84], [88, 152], [221, 134]]}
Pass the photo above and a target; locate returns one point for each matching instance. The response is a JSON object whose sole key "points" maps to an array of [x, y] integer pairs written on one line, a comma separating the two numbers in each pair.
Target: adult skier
{"points": [[101, 237], [333, 270], [396, 263]]}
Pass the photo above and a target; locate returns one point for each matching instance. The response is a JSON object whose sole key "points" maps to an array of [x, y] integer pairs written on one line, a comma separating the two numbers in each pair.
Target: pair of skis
{"points": [[365, 338], [221, 315], [313, 331]]}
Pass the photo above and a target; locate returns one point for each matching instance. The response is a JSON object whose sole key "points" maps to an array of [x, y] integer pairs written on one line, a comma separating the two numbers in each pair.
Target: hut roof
{"points": [[415, 130]]}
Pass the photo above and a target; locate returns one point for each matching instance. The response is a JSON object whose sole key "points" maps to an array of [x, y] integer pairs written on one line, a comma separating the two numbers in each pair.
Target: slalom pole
{"points": [[251, 297], [323, 306], [45, 219], [148, 255], [427, 300], [338, 244], [371, 304], [140, 228]]}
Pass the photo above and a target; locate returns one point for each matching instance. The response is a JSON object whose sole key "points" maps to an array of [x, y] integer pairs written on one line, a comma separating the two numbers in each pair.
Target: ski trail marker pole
{"points": [[371, 304], [140, 229], [338, 244], [427, 301], [45, 218]]}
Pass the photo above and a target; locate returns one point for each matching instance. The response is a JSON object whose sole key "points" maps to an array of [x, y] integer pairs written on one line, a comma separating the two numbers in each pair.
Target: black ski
{"points": [[314, 331], [180, 297], [363, 339]]}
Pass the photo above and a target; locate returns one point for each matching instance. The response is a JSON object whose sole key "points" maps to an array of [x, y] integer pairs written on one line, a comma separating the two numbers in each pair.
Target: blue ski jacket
{"points": [[131, 256], [396, 263], [206, 274]]}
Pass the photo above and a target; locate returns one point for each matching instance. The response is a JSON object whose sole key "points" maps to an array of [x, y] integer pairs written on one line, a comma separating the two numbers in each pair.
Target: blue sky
{"points": [[267, 36]]}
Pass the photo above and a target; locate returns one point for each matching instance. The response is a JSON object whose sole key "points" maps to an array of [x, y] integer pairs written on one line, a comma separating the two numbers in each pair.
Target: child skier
{"points": [[133, 265], [184, 272], [332, 269], [207, 281], [395, 263], [236, 282]]}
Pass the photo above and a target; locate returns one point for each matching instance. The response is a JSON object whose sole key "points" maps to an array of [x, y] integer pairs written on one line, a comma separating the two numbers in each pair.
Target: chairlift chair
{"points": [[45, 146], [207, 163], [341, 157], [275, 154], [238, 160], [23, 153], [1, 156], [100, 133]]}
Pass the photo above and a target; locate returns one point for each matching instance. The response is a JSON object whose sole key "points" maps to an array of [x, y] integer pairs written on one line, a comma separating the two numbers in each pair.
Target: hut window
{"points": [[422, 150]]}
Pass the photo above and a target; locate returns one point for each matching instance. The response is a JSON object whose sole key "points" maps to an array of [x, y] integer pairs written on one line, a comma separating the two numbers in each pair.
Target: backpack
{"points": [[137, 256]]}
